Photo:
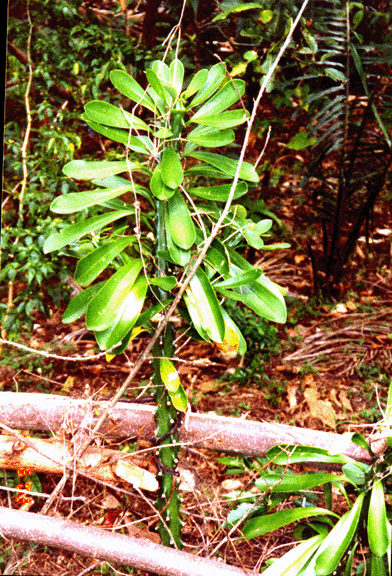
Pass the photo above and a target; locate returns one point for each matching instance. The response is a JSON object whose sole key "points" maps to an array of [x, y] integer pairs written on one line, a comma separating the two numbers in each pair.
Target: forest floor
{"points": [[327, 368]]}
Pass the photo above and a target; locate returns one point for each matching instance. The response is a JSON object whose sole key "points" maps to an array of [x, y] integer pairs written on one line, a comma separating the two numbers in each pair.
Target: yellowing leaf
{"points": [[68, 384], [169, 375], [109, 357], [230, 342]]}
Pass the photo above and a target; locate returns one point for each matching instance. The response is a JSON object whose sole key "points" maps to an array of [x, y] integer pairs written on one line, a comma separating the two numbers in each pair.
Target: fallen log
{"points": [[26, 411], [94, 542]]}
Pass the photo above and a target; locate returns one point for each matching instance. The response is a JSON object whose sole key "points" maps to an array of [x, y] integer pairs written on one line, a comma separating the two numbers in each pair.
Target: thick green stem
{"points": [[168, 502]]}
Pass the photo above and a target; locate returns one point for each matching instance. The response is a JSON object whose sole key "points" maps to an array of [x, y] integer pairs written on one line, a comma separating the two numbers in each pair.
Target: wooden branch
{"points": [[56, 413], [53, 456], [97, 543]]}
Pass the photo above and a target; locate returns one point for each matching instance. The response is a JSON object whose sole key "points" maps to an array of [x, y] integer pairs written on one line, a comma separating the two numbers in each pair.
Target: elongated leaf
{"points": [[131, 89], [227, 119], [89, 169], [78, 305], [227, 165], [177, 254], [103, 308], [215, 76], [177, 74], [127, 315], [378, 529], [91, 266], [139, 144], [338, 540], [169, 375], [286, 454], [69, 234], [156, 84], [291, 563], [198, 80], [262, 296], [105, 113], [179, 399], [378, 566], [181, 227], [264, 524], [240, 280], [171, 169], [233, 342], [219, 193], [237, 8], [211, 138], [294, 482], [158, 187], [75, 202], [164, 282], [218, 258], [223, 99], [204, 300]]}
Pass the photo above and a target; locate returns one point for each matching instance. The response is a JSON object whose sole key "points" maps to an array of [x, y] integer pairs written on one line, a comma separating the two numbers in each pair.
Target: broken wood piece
{"points": [[53, 455]]}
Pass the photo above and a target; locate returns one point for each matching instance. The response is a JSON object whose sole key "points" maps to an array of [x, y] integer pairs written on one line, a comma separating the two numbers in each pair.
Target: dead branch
{"points": [[52, 456], [98, 543], [58, 414]]}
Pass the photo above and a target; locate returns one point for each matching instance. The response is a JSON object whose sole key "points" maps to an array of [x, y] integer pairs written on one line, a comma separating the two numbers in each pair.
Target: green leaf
{"points": [[102, 112], [176, 72], [164, 282], [377, 526], [127, 315], [217, 257], [223, 99], [237, 8], [131, 89], [262, 296], [91, 266], [291, 563], [69, 234], [156, 85], [338, 540], [243, 278], [139, 144], [378, 566], [179, 399], [294, 482], [210, 138], [104, 307], [215, 76], [202, 297], [260, 525], [227, 165], [75, 202], [158, 187], [169, 375], [78, 305], [89, 169], [182, 229], [171, 169], [219, 193], [227, 119], [336, 75], [198, 80], [288, 454], [177, 254], [301, 141]]}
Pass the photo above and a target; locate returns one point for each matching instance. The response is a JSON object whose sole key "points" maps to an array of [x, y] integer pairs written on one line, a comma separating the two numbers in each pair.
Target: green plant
{"points": [[325, 547], [182, 249]]}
